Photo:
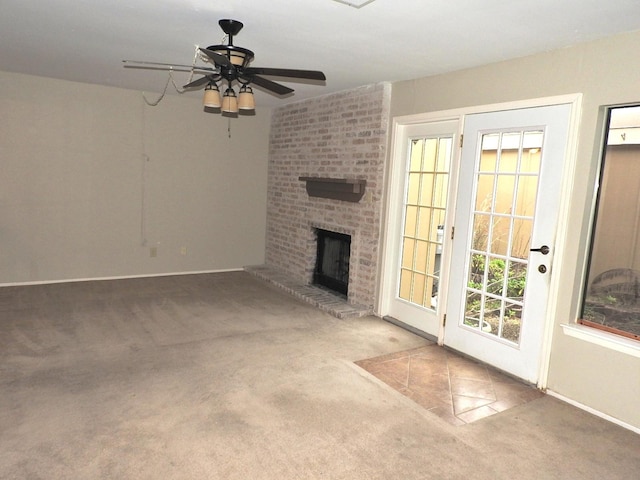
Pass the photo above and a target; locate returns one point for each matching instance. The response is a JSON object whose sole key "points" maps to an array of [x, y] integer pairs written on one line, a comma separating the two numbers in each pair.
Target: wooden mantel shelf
{"points": [[336, 188]]}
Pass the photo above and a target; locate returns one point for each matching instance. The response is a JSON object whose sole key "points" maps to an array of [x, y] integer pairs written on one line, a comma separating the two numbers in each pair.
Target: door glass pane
{"points": [[480, 232], [410, 221], [405, 285], [417, 147], [525, 199], [484, 197], [426, 189], [417, 294], [421, 257], [408, 253], [425, 211], [414, 188], [511, 322], [424, 223], [499, 234], [430, 155], [495, 276], [521, 240], [504, 193], [504, 201]]}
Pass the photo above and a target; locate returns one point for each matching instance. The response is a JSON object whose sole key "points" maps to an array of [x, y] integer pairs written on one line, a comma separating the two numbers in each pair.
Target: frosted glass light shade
{"points": [[246, 101], [212, 97], [230, 101]]}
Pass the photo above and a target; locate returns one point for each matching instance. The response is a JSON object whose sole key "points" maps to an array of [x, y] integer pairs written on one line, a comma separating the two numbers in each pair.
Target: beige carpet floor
{"points": [[223, 376]]}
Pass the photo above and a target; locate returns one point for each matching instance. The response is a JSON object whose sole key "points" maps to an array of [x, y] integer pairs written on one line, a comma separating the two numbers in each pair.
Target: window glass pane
{"points": [[611, 299]]}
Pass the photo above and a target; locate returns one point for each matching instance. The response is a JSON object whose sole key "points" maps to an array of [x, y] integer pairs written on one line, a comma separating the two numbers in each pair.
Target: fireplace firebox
{"points": [[332, 261]]}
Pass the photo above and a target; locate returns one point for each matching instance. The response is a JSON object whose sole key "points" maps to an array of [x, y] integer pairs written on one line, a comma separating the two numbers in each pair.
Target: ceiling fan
{"points": [[231, 64]]}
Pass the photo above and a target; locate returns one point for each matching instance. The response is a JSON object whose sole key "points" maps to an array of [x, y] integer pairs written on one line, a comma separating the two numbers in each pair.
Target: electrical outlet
{"points": [[183, 250], [153, 252]]}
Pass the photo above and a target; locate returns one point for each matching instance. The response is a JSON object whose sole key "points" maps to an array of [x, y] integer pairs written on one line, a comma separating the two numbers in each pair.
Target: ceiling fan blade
{"points": [[138, 64], [168, 69], [269, 85], [164, 69], [286, 72], [201, 82], [217, 58]]}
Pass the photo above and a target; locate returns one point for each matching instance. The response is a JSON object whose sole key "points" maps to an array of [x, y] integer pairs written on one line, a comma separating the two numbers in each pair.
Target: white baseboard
{"points": [[593, 411], [120, 277]]}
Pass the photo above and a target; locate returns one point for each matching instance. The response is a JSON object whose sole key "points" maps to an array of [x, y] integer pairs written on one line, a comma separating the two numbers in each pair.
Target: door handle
{"points": [[543, 250]]}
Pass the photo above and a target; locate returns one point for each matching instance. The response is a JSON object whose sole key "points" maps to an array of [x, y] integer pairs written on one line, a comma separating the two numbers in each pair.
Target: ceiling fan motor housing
{"points": [[239, 57]]}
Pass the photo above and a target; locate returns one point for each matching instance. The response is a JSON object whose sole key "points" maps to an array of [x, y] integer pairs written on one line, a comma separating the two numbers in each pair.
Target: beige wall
{"points": [[605, 72], [92, 178]]}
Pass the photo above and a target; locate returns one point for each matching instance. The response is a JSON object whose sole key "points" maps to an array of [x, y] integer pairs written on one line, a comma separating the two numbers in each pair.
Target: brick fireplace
{"points": [[340, 137]]}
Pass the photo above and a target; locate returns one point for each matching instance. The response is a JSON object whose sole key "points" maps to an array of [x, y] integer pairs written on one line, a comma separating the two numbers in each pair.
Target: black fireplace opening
{"points": [[332, 261]]}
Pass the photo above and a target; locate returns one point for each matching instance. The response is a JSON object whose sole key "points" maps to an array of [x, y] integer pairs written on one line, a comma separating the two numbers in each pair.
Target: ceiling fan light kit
{"points": [[231, 65]]}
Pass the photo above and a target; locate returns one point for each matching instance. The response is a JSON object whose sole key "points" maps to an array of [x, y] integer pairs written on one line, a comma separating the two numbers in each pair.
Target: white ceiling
{"points": [[385, 40]]}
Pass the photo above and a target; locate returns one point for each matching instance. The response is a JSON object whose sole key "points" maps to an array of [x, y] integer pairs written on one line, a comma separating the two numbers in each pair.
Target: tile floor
{"points": [[449, 385]]}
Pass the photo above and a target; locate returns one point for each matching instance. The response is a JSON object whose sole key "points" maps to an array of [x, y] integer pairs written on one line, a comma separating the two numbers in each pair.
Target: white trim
{"points": [[459, 113], [608, 340], [593, 411], [562, 234], [120, 277]]}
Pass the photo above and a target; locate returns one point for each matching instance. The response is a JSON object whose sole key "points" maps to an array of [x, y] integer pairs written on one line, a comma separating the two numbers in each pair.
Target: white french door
{"points": [[506, 219], [418, 219]]}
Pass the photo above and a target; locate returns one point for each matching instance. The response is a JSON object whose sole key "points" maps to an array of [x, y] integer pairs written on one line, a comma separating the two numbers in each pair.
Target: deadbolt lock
{"points": [[542, 269]]}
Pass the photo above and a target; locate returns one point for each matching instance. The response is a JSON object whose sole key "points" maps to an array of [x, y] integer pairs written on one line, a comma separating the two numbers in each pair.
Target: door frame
{"points": [[394, 176]]}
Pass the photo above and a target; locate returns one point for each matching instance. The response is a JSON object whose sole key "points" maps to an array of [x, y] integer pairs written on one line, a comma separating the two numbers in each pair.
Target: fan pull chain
{"points": [[173, 82]]}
